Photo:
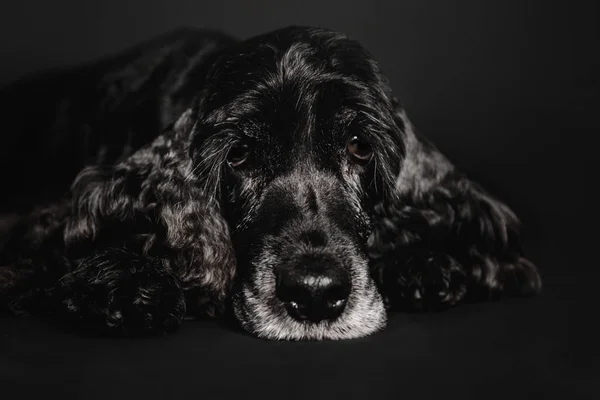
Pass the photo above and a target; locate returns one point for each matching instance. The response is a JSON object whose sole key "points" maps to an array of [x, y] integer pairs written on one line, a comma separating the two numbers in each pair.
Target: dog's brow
{"points": [[346, 114]]}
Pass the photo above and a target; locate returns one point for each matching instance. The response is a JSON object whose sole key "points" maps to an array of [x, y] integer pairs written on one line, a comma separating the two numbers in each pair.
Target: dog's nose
{"points": [[313, 295]]}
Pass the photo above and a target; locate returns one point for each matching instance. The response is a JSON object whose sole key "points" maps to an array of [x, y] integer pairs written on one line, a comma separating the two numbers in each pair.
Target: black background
{"points": [[507, 89]]}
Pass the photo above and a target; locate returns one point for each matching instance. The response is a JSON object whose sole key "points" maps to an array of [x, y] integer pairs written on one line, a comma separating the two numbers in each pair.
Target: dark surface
{"points": [[507, 89]]}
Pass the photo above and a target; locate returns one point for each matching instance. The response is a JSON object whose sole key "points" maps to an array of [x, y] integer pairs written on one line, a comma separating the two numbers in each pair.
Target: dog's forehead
{"points": [[298, 51], [292, 118], [282, 72]]}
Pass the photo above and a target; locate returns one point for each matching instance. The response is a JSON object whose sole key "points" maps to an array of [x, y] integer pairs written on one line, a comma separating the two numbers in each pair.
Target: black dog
{"points": [[277, 175]]}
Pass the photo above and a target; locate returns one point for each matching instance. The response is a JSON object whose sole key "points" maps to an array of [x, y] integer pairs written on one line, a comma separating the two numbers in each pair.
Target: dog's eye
{"points": [[360, 150], [238, 154]]}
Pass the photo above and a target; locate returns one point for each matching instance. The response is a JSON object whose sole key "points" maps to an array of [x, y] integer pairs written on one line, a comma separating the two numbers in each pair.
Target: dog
{"points": [[276, 179]]}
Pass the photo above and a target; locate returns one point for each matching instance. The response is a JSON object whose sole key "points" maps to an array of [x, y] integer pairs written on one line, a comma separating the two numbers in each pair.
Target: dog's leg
{"points": [[30, 261], [122, 292], [443, 239], [115, 290]]}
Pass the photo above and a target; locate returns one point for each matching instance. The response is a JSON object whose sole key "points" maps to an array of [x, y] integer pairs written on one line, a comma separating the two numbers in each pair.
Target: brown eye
{"points": [[238, 154], [359, 150]]}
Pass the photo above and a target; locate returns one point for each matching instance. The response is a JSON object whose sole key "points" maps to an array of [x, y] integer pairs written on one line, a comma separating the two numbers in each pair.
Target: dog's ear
{"points": [[184, 125], [423, 166], [398, 109], [154, 203], [117, 193], [438, 212]]}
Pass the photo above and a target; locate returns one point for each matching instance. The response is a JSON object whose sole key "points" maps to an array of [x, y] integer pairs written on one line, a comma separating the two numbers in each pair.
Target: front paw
{"points": [[122, 293], [423, 280]]}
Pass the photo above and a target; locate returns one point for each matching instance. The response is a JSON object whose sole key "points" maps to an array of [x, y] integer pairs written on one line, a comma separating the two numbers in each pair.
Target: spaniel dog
{"points": [[277, 178]]}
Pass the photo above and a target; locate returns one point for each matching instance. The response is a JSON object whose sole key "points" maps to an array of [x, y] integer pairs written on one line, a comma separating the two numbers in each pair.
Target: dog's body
{"points": [[279, 173], [64, 120]]}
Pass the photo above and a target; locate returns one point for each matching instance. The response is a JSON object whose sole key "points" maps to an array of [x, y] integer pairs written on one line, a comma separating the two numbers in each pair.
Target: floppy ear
{"points": [[153, 204], [443, 238]]}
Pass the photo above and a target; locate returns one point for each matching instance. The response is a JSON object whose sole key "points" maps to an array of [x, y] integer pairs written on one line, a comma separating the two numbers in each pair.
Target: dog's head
{"points": [[297, 137]]}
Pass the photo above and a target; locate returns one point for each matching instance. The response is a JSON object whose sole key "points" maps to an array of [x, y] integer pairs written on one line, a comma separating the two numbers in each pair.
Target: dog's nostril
{"points": [[313, 296]]}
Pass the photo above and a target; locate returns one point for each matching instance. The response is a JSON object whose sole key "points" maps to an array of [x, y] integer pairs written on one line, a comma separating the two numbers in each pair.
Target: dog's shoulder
{"points": [[168, 69]]}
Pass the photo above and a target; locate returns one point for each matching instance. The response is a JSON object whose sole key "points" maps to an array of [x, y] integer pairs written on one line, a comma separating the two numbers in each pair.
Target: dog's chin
{"points": [[261, 314]]}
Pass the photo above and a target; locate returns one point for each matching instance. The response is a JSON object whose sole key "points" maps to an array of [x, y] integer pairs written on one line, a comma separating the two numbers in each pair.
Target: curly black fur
{"points": [[133, 216]]}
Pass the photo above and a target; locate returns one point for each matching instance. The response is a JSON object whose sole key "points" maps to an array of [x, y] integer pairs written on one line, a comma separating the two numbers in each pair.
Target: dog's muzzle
{"points": [[307, 276]]}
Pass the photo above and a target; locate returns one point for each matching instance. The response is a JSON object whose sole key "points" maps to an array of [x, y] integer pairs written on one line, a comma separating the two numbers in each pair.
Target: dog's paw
{"points": [[523, 279], [493, 279], [119, 293], [423, 280]]}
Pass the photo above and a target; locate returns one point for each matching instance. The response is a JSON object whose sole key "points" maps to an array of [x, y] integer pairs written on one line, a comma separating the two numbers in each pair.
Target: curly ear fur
{"points": [[147, 216], [443, 239]]}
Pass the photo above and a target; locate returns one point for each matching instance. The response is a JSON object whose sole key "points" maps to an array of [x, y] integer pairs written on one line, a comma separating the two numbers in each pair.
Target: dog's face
{"points": [[299, 124]]}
